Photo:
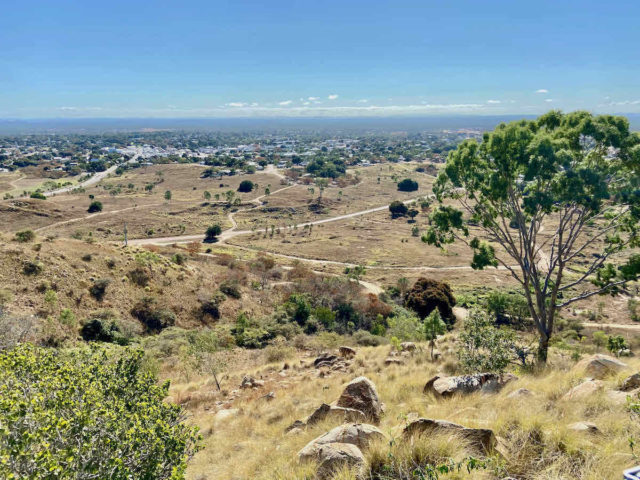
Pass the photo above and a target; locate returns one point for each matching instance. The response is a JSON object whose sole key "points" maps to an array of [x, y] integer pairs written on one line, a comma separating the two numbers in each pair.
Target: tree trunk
{"points": [[543, 348]]}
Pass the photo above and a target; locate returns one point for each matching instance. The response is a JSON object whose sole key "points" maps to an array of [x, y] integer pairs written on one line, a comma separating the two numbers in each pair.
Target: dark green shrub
{"points": [[90, 414], [398, 209], [38, 196], [408, 185], [25, 236], [32, 268], [245, 186], [102, 330], [99, 288], [179, 258], [95, 207], [211, 234], [153, 317], [140, 276], [426, 295]]}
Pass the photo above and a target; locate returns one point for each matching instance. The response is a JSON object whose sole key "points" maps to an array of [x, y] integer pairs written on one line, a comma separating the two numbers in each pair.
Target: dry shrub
{"points": [[299, 270]]}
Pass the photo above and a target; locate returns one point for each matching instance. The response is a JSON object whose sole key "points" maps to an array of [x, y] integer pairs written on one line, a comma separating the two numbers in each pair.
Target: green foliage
{"points": [[398, 209], [179, 258], [433, 326], [257, 333], [24, 236], [94, 207], [616, 344], [153, 317], [103, 330], [405, 326], [245, 186], [38, 196], [212, 232], [99, 288], [575, 173], [507, 307], [600, 339], [356, 272], [87, 414], [32, 267], [484, 347], [407, 185]]}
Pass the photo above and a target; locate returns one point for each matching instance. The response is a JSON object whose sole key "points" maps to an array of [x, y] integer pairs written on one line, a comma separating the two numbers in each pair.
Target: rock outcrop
{"points": [[631, 383], [361, 394], [333, 456], [444, 387], [358, 434], [600, 366], [584, 390], [340, 414], [482, 439]]}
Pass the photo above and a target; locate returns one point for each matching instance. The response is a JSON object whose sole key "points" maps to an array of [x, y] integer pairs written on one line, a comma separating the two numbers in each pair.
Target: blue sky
{"points": [[310, 58]]}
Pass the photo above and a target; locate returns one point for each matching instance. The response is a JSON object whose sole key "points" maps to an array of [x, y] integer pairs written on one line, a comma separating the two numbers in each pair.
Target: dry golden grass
{"points": [[534, 433]]}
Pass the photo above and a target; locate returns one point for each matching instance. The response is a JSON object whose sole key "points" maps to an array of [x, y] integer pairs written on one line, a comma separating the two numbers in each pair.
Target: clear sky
{"points": [[212, 58]]}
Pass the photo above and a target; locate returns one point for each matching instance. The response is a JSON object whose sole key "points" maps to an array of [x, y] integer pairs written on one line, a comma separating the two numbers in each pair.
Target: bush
{"points": [[485, 348], [367, 339], [245, 186], [427, 295], [95, 207], [398, 209], [25, 236], [210, 308], [405, 326], [179, 258], [140, 276], [88, 415], [407, 185], [99, 288], [211, 234], [102, 330], [231, 289], [254, 333], [32, 268], [38, 196], [154, 318]]}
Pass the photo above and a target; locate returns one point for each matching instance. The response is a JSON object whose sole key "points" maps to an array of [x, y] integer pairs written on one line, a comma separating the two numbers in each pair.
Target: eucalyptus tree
{"points": [[555, 201]]}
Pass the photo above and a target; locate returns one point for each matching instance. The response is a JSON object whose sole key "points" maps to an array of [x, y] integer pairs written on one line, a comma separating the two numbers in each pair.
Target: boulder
{"points": [[358, 434], [480, 382], [408, 346], [482, 439], [333, 456], [361, 394], [584, 390], [587, 427], [600, 366], [298, 424], [393, 361], [329, 360], [250, 382], [520, 393], [631, 383], [347, 352], [340, 414]]}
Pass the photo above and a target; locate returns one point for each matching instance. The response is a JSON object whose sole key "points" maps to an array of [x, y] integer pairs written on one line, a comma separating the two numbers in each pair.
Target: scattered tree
{"points": [[245, 186], [95, 207], [576, 174], [433, 326], [426, 295], [398, 209], [212, 232], [407, 185]]}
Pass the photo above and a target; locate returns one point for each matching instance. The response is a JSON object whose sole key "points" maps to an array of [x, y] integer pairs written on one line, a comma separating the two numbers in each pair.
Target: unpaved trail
{"points": [[227, 234], [91, 181]]}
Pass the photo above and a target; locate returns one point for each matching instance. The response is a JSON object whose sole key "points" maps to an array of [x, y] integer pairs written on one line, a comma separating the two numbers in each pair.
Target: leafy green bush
{"points": [[38, 196], [408, 185], [95, 207], [99, 288], [32, 268], [367, 339], [486, 348], [257, 333], [179, 258], [245, 186], [88, 414], [102, 330], [398, 209], [153, 317], [25, 236]]}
